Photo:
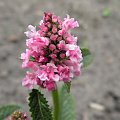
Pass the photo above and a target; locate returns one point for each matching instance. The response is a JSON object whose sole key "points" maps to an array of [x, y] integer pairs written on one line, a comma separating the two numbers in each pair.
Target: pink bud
{"points": [[62, 55], [54, 29], [53, 56], [49, 33], [53, 37], [52, 47], [45, 29], [54, 18], [48, 24], [59, 38], [56, 51], [59, 26]]}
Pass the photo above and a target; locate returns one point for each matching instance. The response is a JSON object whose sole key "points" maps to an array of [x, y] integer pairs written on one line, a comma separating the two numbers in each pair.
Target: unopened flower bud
{"points": [[49, 33], [48, 24], [53, 56], [59, 38], [52, 47], [62, 55], [18, 115], [54, 18], [53, 37], [54, 29]]}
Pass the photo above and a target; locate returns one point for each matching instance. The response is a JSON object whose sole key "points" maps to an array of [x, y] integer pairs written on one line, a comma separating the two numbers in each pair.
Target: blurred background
{"points": [[97, 91]]}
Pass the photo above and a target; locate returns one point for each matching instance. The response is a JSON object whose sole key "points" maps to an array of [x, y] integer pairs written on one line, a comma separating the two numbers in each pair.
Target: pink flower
{"points": [[31, 33], [52, 53], [61, 45], [26, 58], [70, 39], [69, 23], [30, 80]]}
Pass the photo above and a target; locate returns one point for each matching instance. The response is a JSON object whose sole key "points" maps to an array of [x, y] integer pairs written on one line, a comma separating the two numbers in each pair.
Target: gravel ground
{"points": [[97, 91]]}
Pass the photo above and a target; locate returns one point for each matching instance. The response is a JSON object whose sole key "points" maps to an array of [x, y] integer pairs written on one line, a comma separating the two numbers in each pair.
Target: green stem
{"points": [[55, 97]]}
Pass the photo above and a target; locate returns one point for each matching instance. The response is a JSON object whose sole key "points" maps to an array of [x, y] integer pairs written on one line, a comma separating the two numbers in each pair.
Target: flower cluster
{"points": [[52, 53], [18, 115]]}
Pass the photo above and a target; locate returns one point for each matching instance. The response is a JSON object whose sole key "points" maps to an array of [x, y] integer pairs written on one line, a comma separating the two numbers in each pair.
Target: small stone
{"points": [[97, 106]]}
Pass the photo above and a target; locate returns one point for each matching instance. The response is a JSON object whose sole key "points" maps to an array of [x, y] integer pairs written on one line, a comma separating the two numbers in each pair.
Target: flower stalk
{"points": [[55, 98]]}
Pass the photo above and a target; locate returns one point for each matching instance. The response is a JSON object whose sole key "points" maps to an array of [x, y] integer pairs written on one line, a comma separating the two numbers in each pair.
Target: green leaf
{"points": [[87, 57], [7, 110], [67, 85], [106, 12], [32, 58], [67, 106], [39, 107]]}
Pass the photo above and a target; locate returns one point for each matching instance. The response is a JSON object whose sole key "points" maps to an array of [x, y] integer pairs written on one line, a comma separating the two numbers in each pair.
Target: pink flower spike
{"points": [[52, 53]]}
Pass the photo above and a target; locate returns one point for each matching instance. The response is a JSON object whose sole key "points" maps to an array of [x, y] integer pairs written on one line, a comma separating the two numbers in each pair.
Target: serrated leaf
{"points": [[7, 110], [39, 107], [87, 57], [67, 106]]}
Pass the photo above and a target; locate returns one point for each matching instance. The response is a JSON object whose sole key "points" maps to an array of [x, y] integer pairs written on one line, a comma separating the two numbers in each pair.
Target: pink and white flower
{"points": [[52, 53]]}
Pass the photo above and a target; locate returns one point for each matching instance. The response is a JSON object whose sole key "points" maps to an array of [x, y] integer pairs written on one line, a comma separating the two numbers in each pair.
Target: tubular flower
{"points": [[52, 53]]}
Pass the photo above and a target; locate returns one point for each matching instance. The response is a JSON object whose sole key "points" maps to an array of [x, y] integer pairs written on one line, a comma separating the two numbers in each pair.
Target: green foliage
{"points": [[32, 58], [67, 85], [87, 57], [7, 110], [39, 107], [67, 106], [106, 12]]}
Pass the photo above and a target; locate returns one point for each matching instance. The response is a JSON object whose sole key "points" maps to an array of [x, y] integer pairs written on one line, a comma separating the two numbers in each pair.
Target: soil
{"points": [[97, 91]]}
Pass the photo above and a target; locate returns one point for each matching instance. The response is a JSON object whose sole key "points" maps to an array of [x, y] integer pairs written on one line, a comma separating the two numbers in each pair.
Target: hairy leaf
{"points": [[67, 106], [87, 57], [7, 110], [68, 86], [39, 107]]}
